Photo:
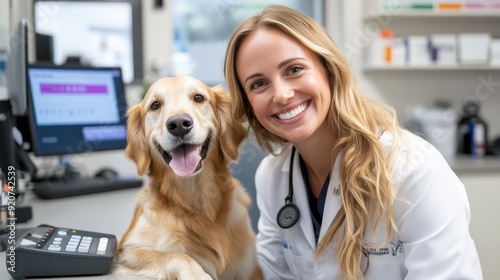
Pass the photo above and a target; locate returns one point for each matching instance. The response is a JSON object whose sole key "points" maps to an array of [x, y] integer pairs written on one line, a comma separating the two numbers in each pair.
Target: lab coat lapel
{"points": [[300, 199], [333, 201]]}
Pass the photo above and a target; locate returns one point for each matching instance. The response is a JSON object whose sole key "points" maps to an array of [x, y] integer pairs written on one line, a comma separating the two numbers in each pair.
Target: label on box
{"points": [[449, 5]]}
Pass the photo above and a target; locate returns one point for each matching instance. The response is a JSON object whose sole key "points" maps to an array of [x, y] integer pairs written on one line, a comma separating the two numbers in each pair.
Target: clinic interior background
{"points": [[345, 21]]}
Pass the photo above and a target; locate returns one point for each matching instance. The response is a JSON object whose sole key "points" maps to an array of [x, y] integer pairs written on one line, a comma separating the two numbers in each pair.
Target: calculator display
{"points": [[37, 233]]}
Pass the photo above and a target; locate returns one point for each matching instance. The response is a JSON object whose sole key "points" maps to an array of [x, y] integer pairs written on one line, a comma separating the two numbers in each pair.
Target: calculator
{"points": [[56, 251]]}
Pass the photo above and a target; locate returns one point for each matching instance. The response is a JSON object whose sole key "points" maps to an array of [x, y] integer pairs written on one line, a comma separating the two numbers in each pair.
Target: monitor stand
{"points": [[69, 170], [7, 156]]}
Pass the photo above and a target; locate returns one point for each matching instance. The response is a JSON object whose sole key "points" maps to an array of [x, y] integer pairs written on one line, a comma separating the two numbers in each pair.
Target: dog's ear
{"points": [[137, 146], [231, 132]]}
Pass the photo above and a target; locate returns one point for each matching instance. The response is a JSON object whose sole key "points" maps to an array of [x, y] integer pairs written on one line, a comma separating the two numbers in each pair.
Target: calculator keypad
{"points": [[52, 251], [65, 241], [103, 244]]}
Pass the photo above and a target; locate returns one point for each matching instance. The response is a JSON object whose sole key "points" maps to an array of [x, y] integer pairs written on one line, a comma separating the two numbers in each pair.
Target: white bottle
{"points": [[479, 143]]}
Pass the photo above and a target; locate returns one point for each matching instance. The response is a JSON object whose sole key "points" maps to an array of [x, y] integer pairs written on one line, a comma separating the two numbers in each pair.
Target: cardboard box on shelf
{"points": [[474, 48], [444, 49], [495, 52], [418, 51]]}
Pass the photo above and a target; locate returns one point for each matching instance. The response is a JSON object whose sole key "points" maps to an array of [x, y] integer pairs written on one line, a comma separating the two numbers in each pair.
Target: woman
{"points": [[375, 201]]}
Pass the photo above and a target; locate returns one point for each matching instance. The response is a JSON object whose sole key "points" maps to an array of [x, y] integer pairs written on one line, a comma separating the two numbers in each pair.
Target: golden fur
{"points": [[193, 226]]}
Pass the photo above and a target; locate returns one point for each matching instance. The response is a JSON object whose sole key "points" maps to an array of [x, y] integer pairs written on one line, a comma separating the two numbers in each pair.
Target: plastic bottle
{"points": [[2, 72], [472, 131]]}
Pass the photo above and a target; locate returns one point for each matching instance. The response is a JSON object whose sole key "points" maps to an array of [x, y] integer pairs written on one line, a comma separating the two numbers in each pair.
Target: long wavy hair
{"points": [[355, 121]]}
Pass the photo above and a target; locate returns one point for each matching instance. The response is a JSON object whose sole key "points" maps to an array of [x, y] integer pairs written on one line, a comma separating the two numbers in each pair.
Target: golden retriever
{"points": [[191, 219]]}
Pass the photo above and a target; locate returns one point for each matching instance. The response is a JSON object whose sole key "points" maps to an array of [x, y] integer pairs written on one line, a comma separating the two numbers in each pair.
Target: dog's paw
{"points": [[200, 277], [198, 274]]}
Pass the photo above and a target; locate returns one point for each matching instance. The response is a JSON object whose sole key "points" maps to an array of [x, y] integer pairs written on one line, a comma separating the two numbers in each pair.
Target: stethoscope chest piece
{"points": [[288, 215]]}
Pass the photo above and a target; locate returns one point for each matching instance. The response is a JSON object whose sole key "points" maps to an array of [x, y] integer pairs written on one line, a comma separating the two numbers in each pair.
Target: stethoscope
{"points": [[289, 214]]}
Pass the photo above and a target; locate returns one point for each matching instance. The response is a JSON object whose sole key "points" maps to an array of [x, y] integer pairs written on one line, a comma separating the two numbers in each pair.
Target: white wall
{"points": [[4, 24], [483, 192], [156, 35]]}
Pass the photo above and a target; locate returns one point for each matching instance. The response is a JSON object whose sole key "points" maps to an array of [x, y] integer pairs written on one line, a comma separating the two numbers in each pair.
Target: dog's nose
{"points": [[179, 125]]}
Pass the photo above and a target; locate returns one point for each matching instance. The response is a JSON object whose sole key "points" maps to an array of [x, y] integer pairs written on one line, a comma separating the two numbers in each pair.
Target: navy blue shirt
{"points": [[316, 206]]}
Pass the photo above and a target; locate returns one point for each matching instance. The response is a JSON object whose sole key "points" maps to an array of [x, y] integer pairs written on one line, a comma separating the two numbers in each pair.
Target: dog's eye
{"points": [[155, 105], [198, 98]]}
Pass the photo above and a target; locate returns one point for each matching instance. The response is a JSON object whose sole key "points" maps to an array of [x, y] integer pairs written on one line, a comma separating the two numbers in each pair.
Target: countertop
{"points": [[466, 164]]}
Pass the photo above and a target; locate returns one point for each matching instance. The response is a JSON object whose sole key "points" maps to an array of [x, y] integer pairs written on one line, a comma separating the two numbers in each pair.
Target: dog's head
{"points": [[180, 122]]}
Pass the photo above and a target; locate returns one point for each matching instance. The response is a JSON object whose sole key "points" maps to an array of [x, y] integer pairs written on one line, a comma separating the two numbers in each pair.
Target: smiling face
{"points": [[179, 122], [183, 123], [285, 83]]}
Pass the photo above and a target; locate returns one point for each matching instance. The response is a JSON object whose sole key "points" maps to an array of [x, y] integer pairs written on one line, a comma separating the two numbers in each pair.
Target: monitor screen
{"points": [[93, 32], [76, 109]]}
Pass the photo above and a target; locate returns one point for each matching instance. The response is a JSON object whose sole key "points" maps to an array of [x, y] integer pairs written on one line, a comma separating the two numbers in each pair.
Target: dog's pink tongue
{"points": [[184, 160]]}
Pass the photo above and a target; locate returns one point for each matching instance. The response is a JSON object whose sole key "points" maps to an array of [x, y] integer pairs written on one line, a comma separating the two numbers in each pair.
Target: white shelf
{"points": [[434, 14], [433, 67]]}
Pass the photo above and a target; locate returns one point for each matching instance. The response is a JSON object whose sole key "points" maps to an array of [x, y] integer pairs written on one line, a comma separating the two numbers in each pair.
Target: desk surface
{"points": [[109, 212]]}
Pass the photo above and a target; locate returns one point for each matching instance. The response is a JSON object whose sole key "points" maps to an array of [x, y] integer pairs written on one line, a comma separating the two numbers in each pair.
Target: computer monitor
{"points": [[76, 109], [16, 68]]}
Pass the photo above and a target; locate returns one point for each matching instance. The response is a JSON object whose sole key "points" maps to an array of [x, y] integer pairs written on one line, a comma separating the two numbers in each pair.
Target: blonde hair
{"points": [[355, 121]]}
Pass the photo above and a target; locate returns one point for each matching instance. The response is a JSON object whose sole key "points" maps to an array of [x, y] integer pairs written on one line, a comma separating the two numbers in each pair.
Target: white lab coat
{"points": [[432, 217]]}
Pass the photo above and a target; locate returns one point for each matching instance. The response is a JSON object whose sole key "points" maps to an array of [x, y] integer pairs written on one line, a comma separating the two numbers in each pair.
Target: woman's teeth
{"points": [[293, 113]]}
